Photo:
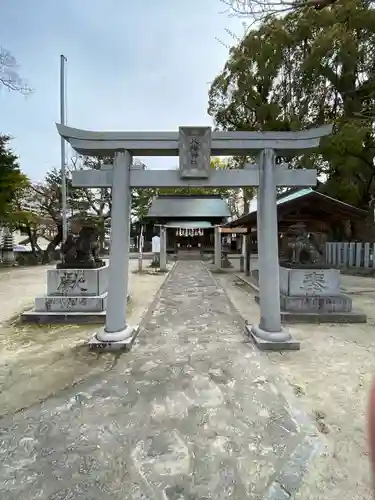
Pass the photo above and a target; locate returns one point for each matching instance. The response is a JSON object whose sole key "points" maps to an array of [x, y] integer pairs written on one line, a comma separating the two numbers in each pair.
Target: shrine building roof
{"points": [[306, 200], [188, 207]]}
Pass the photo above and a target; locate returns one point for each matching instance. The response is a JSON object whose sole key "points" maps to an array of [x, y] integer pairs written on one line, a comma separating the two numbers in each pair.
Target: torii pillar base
{"points": [[122, 341], [272, 341]]}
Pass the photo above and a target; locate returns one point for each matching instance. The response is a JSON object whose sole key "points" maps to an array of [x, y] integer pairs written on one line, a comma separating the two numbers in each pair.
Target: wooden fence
{"points": [[350, 254]]}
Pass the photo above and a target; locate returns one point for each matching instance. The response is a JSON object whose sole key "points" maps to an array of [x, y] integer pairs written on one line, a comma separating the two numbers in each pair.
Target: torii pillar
{"points": [[269, 334], [117, 330]]}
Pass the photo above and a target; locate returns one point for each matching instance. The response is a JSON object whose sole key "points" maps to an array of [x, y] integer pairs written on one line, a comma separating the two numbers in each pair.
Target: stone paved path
{"points": [[190, 413]]}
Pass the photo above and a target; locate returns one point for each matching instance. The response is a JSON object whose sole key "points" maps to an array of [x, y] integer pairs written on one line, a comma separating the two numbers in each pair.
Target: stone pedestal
{"points": [[73, 296], [312, 289], [242, 263], [225, 262], [311, 294]]}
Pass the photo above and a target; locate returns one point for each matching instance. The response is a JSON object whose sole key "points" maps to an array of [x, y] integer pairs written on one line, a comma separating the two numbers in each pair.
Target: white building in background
{"points": [[29, 202]]}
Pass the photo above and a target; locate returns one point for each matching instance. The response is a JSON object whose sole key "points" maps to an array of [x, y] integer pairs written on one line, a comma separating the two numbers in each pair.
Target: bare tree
{"points": [[260, 10], [9, 74]]}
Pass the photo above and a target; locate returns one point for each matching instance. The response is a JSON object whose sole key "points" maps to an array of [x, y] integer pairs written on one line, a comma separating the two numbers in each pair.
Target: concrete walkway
{"points": [[192, 412]]}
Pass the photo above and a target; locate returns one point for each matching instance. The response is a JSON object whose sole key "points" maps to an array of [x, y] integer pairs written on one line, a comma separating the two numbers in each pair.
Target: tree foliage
{"points": [[305, 69], [46, 200], [12, 180], [262, 10]]}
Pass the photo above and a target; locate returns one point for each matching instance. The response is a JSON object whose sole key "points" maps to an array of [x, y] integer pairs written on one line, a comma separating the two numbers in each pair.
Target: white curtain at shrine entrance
{"points": [[189, 228], [189, 232]]}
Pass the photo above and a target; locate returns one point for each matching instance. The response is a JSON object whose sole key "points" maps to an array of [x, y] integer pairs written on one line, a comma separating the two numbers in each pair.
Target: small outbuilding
{"points": [[321, 214]]}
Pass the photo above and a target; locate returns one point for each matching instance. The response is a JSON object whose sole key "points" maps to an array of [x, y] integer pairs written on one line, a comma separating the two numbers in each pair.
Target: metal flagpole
{"points": [[63, 60]]}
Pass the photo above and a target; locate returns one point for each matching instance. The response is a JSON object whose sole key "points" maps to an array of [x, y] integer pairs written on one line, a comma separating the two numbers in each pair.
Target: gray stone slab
{"points": [[73, 282], [288, 317], [351, 317], [316, 303], [68, 316], [276, 492], [290, 475], [267, 345], [249, 282], [50, 318], [192, 411], [121, 345], [51, 303], [304, 281]]}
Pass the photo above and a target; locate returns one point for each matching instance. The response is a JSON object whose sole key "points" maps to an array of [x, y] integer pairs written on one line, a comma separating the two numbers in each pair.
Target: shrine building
{"points": [[328, 218], [189, 220]]}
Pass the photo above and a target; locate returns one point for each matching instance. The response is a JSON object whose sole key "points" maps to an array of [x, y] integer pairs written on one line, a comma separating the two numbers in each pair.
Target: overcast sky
{"points": [[132, 65]]}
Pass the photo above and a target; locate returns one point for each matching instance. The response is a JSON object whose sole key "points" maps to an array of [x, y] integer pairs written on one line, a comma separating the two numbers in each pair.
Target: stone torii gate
{"points": [[194, 146]]}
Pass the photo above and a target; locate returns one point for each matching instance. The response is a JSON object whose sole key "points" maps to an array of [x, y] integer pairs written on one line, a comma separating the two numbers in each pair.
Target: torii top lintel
{"points": [[167, 143]]}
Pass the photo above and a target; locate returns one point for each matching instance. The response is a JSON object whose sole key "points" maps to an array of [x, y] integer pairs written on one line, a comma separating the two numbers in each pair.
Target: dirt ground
{"points": [[38, 361], [331, 377]]}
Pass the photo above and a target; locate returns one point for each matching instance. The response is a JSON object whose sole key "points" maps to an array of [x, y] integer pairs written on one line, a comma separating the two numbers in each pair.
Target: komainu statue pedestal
{"points": [[309, 291], [73, 296], [77, 290]]}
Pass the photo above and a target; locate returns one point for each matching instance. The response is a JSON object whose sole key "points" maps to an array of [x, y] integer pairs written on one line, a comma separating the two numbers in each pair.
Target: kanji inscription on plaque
{"points": [[195, 151], [313, 282]]}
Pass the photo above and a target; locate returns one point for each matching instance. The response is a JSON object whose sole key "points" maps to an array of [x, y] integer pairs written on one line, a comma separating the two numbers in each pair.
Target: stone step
{"points": [[59, 314], [316, 303], [181, 255], [75, 318]]}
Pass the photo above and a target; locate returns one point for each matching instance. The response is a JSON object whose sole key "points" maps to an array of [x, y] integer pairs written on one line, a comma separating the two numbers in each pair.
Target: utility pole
{"points": [[63, 60]]}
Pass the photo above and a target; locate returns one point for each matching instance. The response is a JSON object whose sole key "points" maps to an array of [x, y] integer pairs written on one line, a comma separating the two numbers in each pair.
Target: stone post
{"points": [[242, 263], [140, 251], [243, 253], [163, 248], [247, 254], [116, 328], [217, 257], [269, 330]]}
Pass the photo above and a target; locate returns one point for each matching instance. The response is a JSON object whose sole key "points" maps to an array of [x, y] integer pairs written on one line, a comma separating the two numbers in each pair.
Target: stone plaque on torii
{"points": [[195, 152], [194, 146]]}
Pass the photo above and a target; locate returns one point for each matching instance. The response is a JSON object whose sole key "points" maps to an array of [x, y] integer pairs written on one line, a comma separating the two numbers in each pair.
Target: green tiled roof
{"points": [[165, 207], [288, 197], [294, 196]]}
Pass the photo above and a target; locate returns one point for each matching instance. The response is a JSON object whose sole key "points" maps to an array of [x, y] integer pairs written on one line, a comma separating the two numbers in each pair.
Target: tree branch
{"points": [[9, 76]]}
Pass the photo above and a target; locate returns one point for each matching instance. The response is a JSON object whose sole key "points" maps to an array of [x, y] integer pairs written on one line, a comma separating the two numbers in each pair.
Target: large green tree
{"points": [[305, 69], [12, 181], [262, 10]]}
